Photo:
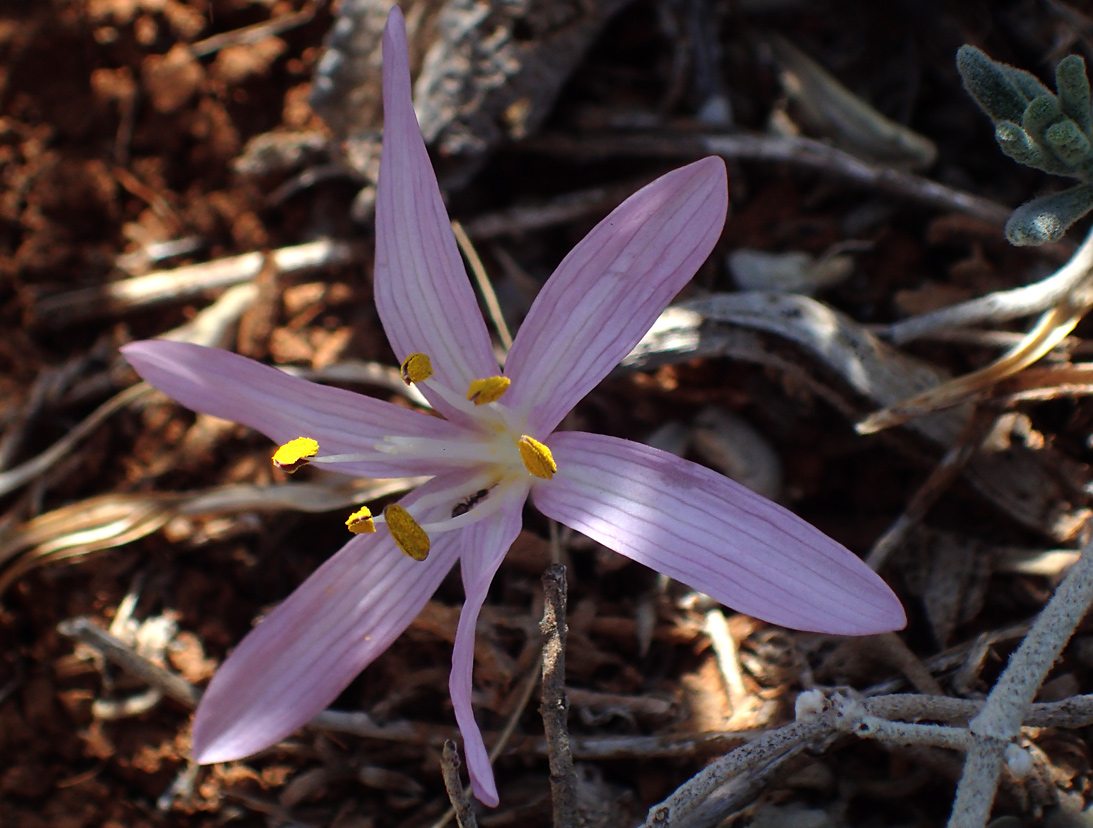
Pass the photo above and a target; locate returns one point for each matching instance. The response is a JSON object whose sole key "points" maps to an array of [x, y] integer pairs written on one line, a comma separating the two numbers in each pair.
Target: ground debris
{"points": [[189, 169]]}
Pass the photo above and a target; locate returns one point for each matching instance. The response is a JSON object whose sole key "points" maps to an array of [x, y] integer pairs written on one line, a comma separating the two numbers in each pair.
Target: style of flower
{"points": [[495, 446]]}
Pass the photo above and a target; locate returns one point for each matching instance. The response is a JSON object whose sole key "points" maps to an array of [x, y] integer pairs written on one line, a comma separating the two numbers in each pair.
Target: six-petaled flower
{"points": [[495, 446]]}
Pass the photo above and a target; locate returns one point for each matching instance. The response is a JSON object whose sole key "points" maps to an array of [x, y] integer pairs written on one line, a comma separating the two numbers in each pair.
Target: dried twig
{"points": [[121, 654], [353, 722], [482, 279], [1075, 712], [1072, 277], [641, 705], [63, 385], [214, 325], [112, 520], [185, 282], [941, 478], [578, 205], [996, 725], [876, 370], [1047, 383], [825, 106], [1075, 281], [874, 718], [728, 659], [259, 31], [22, 474], [1051, 329], [748, 758], [555, 706], [502, 739], [461, 803], [803, 152], [206, 328]]}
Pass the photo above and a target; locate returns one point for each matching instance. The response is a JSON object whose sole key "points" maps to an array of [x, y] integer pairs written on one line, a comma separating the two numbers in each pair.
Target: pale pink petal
{"points": [[714, 535], [422, 292], [234, 388], [484, 547], [606, 294], [305, 652]]}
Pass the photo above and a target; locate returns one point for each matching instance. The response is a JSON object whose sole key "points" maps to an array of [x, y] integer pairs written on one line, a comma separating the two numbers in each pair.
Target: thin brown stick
{"points": [[22, 474], [120, 653], [482, 279], [461, 803], [940, 480], [575, 206], [766, 748], [502, 740], [804, 152], [258, 31], [555, 705]]}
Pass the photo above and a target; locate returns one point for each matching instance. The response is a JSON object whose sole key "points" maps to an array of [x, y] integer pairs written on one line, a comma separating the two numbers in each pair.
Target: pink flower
{"points": [[490, 453]]}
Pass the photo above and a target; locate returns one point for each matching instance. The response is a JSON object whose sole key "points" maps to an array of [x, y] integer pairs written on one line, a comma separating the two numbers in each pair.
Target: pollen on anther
{"points": [[295, 453], [416, 368], [537, 458], [407, 532], [360, 522], [490, 389]]}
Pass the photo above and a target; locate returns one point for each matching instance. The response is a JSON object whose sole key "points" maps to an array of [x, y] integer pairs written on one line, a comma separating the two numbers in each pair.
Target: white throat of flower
{"points": [[497, 456]]}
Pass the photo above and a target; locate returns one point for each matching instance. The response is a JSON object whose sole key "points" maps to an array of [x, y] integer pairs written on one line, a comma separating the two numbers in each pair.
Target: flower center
{"points": [[494, 452]]}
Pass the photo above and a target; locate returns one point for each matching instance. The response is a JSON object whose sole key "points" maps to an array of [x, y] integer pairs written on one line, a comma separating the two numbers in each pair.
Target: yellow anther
{"points": [[360, 522], [416, 368], [488, 390], [537, 458], [407, 532], [295, 453]]}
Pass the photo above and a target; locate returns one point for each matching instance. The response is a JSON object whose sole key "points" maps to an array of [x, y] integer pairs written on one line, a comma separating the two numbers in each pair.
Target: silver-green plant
{"points": [[1038, 129]]}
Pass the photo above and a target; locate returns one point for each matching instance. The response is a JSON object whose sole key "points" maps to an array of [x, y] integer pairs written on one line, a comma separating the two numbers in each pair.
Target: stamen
{"points": [[454, 399], [295, 454], [441, 451], [416, 368], [537, 458], [407, 532], [358, 457], [490, 389], [360, 522]]}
